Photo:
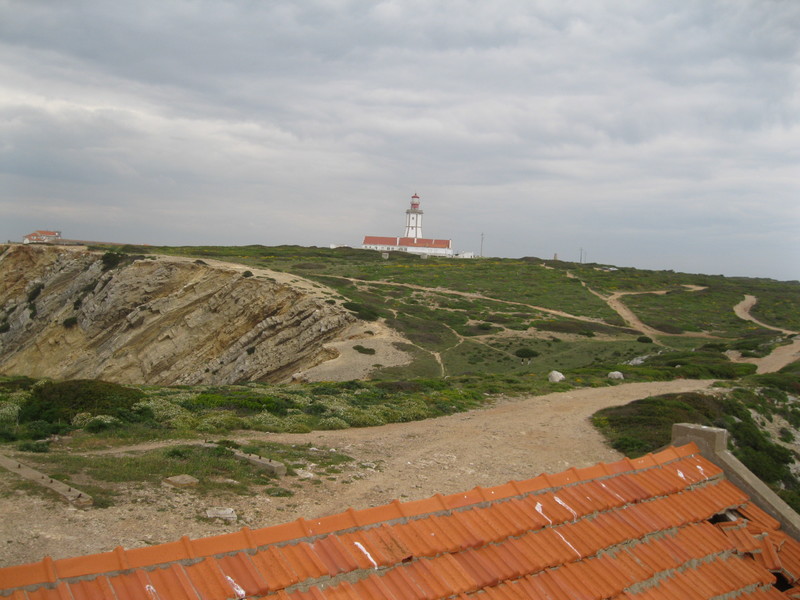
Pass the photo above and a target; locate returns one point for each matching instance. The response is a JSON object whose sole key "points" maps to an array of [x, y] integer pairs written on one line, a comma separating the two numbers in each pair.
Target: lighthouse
{"points": [[412, 240], [414, 219]]}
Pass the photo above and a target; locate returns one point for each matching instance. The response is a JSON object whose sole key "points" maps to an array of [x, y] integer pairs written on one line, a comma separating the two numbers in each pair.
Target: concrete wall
{"points": [[713, 445]]}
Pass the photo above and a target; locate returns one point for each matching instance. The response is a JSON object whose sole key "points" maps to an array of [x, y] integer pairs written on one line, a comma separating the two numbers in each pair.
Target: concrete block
{"points": [[182, 481], [219, 512]]}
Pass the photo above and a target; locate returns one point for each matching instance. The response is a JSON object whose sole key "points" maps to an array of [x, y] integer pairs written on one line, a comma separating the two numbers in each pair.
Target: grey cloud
{"points": [[545, 124]]}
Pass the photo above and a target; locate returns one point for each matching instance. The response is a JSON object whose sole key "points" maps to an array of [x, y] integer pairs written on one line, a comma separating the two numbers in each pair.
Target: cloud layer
{"points": [[646, 134]]}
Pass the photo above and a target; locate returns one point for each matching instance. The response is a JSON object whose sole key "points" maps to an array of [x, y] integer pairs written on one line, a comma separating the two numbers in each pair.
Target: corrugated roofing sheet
{"points": [[666, 526], [406, 242]]}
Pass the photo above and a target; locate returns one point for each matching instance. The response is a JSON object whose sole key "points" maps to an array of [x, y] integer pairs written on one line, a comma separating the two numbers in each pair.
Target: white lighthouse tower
{"points": [[412, 240], [414, 219]]}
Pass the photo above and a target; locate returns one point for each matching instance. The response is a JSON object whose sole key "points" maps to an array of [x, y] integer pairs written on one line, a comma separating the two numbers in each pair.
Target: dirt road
{"points": [[778, 358], [514, 439]]}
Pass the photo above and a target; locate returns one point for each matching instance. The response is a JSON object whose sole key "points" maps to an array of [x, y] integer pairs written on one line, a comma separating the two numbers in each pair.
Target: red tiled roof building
{"points": [[412, 240], [666, 526], [41, 236]]}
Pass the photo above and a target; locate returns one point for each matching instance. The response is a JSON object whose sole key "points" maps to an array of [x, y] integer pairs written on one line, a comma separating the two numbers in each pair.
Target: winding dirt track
{"points": [[782, 355]]}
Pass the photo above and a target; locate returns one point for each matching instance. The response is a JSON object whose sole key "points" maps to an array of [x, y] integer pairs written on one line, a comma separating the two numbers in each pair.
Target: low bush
{"points": [[362, 311], [59, 402], [33, 294], [111, 260], [31, 446]]}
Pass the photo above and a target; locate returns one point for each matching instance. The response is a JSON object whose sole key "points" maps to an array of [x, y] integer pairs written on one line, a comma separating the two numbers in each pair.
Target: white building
{"points": [[412, 240], [41, 237]]}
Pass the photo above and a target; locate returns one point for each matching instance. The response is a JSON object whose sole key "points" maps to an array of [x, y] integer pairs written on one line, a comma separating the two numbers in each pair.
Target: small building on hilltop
{"points": [[412, 240], [42, 237]]}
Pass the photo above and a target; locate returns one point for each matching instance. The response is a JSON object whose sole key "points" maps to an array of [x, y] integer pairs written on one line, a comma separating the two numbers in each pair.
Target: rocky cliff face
{"points": [[65, 313]]}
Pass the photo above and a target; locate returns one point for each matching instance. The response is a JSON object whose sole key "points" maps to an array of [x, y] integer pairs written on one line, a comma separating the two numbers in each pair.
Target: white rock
{"points": [[616, 375], [218, 512], [555, 376]]}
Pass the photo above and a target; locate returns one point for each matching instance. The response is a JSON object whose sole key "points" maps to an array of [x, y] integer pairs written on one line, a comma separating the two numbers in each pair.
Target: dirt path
{"points": [[778, 358], [514, 439], [634, 322], [628, 315], [743, 309], [475, 296]]}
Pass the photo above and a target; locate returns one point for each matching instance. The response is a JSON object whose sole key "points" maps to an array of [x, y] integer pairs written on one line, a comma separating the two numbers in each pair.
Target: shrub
{"points": [[296, 424], [178, 452], [644, 339], [9, 412], [332, 423], [70, 322], [786, 435], [111, 260], [265, 421], [526, 353], [247, 274], [357, 417], [56, 402], [39, 430], [101, 423], [362, 350], [30, 446], [362, 311], [4, 326], [217, 422], [35, 291]]}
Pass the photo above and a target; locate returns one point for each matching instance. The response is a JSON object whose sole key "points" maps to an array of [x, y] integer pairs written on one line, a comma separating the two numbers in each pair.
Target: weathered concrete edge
{"points": [[713, 445], [71, 494]]}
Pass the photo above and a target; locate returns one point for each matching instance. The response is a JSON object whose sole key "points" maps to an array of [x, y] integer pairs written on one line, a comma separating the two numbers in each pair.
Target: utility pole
{"points": [[481, 245]]}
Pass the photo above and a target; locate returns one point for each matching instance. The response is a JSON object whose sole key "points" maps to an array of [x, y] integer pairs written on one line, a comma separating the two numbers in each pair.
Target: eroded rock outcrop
{"points": [[64, 313]]}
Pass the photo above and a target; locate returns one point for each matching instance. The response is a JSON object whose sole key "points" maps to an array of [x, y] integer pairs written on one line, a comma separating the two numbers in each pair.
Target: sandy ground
{"points": [[513, 439]]}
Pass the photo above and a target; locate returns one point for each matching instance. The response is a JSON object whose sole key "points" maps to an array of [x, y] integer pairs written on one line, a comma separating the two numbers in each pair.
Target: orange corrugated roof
{"points": [[635, 529], [381, 241], [424, 243], [406, 242]]}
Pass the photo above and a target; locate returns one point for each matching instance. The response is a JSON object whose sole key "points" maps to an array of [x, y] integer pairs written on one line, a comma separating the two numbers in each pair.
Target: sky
{"points": [[644, 133]]}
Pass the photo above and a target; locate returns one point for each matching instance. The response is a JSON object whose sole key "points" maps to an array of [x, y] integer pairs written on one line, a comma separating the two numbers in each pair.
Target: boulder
{"points": [[616, 375], [555, 376]]}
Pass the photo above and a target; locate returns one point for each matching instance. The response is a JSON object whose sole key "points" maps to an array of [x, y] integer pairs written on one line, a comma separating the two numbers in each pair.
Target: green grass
{"points": [[207, 464]]}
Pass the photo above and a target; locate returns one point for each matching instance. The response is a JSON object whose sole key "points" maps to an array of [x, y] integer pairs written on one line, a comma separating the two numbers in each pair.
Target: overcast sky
{"points": [[649, 133]]}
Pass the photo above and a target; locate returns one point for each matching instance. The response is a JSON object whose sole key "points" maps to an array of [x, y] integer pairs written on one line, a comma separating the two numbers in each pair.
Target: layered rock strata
{"points": [[67, 313]]}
